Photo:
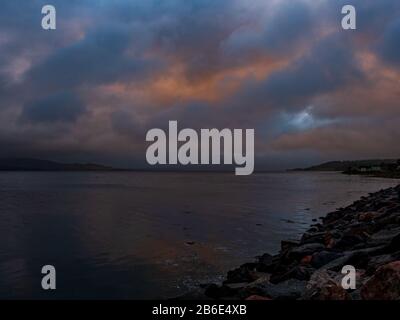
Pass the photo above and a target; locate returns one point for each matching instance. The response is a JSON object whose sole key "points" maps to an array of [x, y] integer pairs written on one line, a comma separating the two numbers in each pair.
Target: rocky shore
{"points": [[365, 235]]}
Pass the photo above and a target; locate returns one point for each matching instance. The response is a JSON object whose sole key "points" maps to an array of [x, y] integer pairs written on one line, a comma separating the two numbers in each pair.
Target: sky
{"points": [[112, 70]]}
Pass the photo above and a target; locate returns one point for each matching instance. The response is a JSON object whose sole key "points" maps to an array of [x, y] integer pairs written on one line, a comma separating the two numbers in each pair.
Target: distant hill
{"points": [[346, 165], [26, 164]]}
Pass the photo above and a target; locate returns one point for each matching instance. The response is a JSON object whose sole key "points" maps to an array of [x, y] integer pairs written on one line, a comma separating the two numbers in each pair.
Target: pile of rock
{"points": [[365, 235]]}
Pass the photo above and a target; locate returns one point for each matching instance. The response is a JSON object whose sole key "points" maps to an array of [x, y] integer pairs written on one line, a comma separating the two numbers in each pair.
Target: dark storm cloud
{"points": [[121, 67], [330, 65], [194, 31], [291, 23], [390, 44], [57, 108], [125, 124], [194, 115], [99, 58]]}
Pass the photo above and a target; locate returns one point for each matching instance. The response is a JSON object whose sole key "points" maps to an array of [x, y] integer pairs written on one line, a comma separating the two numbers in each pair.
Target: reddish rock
{"points": [[305, 250], [384, 284], [367, 216], [306, 260], [332, 291], [329, 240], [297, 272], [287, 245], [325, 286]]}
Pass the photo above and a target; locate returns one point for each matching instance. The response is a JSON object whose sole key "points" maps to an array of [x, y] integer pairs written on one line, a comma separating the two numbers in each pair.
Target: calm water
{"points": [[150, 235]]}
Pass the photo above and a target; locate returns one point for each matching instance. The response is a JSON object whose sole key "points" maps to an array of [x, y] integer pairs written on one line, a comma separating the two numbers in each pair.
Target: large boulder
{"points": [[298, 253], [378, 261], [322, 258], [266, 259], [348, 242], [325, 285], [297, 272], [313, 237], [368, 216], [267, 263], [384, 284], [386, 235], [245, 273]]}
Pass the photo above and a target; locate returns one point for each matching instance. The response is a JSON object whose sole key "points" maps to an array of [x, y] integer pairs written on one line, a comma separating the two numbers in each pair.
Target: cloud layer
{"points": [[90, 90]]}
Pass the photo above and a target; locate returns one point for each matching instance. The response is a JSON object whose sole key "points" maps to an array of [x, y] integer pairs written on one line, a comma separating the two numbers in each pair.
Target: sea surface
{"points": [[142, 235]]}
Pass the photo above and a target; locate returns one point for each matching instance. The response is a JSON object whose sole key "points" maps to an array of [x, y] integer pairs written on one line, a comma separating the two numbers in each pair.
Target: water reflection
{"points": [[147, 235]]}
